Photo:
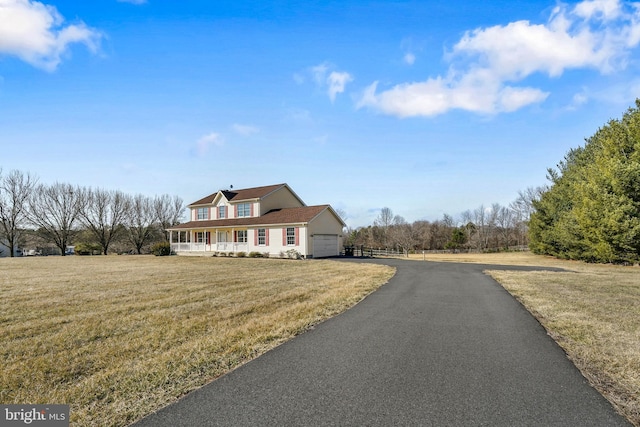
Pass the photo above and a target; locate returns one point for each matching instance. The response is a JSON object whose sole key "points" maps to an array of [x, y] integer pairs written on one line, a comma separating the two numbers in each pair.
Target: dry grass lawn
{"points": [[505, 258], [117, 337], [592, 311]]}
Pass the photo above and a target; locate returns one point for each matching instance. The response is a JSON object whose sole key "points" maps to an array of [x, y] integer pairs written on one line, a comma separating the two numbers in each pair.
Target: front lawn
{"points": [[117, 337]]}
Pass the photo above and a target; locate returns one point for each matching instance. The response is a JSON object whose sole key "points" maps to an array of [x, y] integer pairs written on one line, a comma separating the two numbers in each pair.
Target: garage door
{"points": [[325, 245]]}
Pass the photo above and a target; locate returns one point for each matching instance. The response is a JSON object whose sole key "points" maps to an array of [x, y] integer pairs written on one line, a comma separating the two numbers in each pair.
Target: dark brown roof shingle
{"points": [[274, 217], [238, 195]]}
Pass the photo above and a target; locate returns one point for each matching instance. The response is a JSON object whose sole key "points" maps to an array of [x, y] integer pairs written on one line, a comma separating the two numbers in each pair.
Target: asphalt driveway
{"points": [[441, 344]]}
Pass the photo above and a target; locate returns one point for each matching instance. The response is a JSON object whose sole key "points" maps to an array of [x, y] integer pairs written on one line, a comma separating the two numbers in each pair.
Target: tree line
{"points": [[591, 209], [63, 214], [486, 228]]}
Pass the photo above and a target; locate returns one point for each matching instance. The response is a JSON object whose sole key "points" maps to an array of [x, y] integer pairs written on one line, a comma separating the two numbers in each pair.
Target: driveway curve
{"points": [[441, 344]]}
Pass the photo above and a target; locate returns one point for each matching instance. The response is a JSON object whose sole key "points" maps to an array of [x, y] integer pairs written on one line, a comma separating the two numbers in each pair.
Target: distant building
{"points": [[4, 250]]}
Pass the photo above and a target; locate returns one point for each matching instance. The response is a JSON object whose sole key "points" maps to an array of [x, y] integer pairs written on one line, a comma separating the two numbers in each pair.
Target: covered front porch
{"points": [[208, 241]]}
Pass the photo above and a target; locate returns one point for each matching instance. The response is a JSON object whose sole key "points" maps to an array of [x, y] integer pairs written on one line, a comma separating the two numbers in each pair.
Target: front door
{"points": [[222, 240]]}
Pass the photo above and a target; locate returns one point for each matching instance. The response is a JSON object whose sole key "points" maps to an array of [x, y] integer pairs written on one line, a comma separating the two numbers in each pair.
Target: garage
{"points": [[325, 245]]}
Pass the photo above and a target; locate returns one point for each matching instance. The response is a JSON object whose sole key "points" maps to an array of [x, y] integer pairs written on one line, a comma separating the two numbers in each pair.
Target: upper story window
{"points": [[244, 210], [222, 212], [202, 213]]}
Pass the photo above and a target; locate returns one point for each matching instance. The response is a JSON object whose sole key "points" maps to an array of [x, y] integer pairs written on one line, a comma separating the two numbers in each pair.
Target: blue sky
{"points": [[425, 107]]}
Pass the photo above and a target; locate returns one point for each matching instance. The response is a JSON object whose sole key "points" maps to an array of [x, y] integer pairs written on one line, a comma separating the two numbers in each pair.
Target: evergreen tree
{"points": [[591, 211]]}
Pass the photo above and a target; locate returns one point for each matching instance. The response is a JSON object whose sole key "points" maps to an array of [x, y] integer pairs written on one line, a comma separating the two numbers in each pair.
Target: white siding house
{"points": [[270, 219]]}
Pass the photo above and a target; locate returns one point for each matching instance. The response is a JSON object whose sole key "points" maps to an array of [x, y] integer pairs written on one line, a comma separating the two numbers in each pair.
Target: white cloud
{"points": [[34, 32], [513, 98], [474, 92], [486, 62], [319, 73], [407, 46], [578, 100], [334, 82], [607, 9], [245, 130], [204, 144], [337, 81], [132, 1], [409, 58]]}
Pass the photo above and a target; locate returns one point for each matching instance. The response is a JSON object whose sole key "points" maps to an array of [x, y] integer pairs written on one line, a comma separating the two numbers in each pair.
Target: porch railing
{"points": [[214, 247]]}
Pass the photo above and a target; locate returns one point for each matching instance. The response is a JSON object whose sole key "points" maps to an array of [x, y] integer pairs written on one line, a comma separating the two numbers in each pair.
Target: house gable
{"points": [[279, 198], [252, 202], [326, 222]]}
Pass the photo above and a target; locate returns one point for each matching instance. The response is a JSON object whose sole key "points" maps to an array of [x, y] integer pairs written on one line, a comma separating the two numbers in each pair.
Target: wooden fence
{"points": [[361, 251]]}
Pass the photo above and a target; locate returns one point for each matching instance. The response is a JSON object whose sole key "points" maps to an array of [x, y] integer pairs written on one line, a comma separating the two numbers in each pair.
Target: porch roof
{"points": [[299, 215]]}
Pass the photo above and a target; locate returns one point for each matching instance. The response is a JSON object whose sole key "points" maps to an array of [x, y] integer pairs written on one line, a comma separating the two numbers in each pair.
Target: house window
{"points": [[241, 236], [222, 211], [244, 210], [291, 236], [262, 236], [203, 213], [202, 237]]}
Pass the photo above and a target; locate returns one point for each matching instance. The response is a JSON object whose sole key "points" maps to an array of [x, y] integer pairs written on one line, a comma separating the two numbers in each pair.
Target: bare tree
{"points": [[422, 233], [504, 226], [365, 237], [469, 227], [492, 228], [140, 221], [441, 232], [341, 213], [448, 221], [168, 211], [383, 222], [15, 190], [524, 203], [522, 209], [54, 211], [104, 213], [401, 234], [481, 222]]}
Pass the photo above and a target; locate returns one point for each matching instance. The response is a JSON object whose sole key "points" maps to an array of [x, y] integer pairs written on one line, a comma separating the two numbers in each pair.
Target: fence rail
{"points": [[361, 251]]}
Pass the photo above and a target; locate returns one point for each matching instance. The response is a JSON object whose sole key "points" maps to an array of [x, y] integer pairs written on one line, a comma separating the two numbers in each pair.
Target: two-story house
{"points": [[270, 219]]}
